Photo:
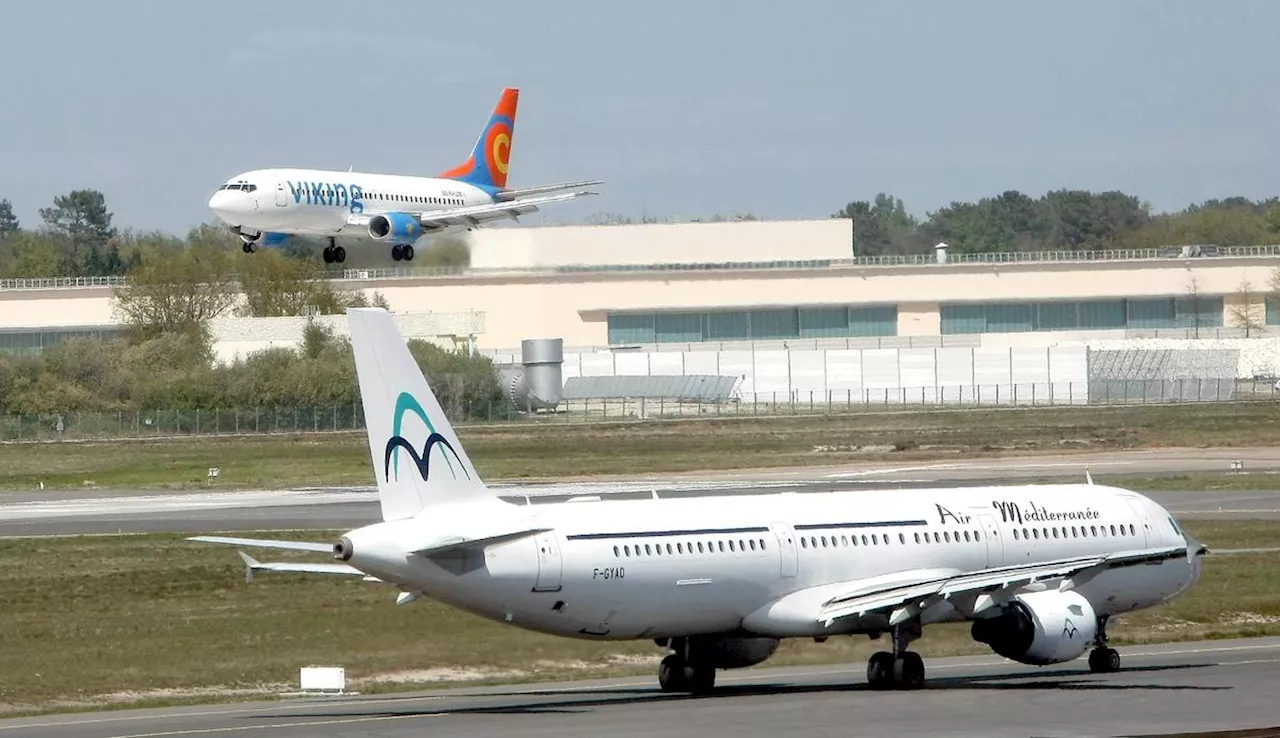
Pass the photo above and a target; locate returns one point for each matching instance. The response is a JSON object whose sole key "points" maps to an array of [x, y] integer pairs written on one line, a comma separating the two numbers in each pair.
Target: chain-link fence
{"points": [[346, 418]]}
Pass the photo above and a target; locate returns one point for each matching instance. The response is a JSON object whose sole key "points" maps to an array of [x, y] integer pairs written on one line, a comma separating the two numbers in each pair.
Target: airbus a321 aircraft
{"points": [[1037, 569], [268, 206]]}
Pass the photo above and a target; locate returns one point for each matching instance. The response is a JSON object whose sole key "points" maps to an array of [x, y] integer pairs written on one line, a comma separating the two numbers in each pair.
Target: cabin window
{"points": [[762, 546], [902, 539], [616, 552]]}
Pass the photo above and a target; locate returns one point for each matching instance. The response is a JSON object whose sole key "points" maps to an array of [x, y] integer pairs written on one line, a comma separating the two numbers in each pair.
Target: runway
{"points": [[39, 513], [1162, 690]]}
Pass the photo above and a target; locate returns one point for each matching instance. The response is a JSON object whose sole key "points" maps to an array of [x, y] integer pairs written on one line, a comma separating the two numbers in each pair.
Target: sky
{"points": [[686, 108]]}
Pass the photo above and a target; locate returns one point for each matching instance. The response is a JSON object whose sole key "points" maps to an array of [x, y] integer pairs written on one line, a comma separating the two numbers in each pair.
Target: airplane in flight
{"points": [[269, 206], [1038, 570]]}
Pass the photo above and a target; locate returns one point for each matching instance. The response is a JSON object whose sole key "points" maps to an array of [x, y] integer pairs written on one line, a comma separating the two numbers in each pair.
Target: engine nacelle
{"points": [[1040, 628], [399, 227], [734, 652]]}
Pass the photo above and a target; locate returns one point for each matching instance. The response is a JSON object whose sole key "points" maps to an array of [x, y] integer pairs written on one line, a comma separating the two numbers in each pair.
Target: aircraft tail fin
{"points": [[417, 458], [491, 155]]}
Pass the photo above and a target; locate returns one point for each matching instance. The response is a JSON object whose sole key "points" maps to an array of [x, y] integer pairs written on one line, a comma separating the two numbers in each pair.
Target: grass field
{"points": [[555, 449], [107, 620]]}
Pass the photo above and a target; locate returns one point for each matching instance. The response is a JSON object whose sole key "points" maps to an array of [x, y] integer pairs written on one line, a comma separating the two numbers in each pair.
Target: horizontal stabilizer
{"points": [[514, 194], [252, 565], [264, 543], [453, 543]]}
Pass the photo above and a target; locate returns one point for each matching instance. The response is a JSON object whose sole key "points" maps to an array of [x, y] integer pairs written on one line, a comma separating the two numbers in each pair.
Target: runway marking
{"points": [[401, 699]]}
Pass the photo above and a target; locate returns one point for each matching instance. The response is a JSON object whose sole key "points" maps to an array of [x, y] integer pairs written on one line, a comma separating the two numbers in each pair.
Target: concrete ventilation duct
{"points": [[538, 384]]}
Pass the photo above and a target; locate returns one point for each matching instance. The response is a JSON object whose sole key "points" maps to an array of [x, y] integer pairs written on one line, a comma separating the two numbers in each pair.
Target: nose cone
{"points": [[221, 205]]}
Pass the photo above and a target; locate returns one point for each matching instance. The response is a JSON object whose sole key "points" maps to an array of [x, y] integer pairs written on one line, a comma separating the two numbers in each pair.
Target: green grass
{"points": [[96, 621], [558, 449]]}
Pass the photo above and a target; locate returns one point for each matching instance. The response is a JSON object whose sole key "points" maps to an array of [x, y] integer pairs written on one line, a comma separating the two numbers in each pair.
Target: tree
{"points": [[81, 221], [1245, 310], [1193, 294], [178, 292], [8, 221], [278, 285], [29, 255]]}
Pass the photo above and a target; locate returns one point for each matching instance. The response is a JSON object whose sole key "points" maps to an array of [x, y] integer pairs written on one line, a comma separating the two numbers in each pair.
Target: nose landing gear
{"points": [[1103, 659]]}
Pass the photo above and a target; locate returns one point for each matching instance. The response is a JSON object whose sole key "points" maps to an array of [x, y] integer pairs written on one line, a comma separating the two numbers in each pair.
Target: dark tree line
{"points": [[1058, 220]]}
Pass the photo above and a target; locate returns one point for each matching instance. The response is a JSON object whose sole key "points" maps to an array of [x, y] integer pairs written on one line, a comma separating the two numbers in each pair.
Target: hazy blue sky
{"points": [[784, 109]]}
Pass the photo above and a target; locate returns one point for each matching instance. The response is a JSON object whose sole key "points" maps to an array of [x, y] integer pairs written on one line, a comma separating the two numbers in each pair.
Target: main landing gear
{"points": [[248, 247], [901, 669], [402, 252], [334, 253], [682, 671], [1103, 659]]}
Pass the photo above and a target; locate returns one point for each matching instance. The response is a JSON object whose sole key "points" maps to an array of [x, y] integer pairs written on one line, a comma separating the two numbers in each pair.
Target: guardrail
{"points": [[341, 418], [1205, 253]]}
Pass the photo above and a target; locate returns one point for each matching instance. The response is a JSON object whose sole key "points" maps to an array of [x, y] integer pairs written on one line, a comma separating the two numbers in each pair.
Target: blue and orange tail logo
{"points": [[487, 166]]}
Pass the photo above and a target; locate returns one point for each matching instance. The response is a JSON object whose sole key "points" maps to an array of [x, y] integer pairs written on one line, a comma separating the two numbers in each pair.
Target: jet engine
{"points": [[734, 652], [394, 226], [1040, 628]]}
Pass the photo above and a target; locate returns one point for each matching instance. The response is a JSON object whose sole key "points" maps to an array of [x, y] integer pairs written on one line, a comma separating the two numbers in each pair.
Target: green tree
{"points": [[883, 226], [29, 255], [8, 221], [82, 222], [177, 292]]}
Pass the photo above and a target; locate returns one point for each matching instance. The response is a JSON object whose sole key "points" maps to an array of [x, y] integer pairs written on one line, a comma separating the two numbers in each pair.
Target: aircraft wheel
{"points": [[880, 669], [328, 254], [908, 671], [396, 253], [701, 679], [1104, 660], [248, 247], [672, 676], [407, 252], [339, 254]]}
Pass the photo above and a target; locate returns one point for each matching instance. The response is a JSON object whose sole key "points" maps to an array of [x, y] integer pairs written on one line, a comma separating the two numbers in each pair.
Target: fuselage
{"points": [[668, 568], [314, 202]]}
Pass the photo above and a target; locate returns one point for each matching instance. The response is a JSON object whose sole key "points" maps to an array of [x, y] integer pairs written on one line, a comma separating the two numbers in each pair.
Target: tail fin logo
{"points": [[407, 403], [490, 159]]}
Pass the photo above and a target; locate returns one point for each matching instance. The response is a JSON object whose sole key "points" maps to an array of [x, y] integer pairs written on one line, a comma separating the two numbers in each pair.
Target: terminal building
{"points": [[720, 298]]}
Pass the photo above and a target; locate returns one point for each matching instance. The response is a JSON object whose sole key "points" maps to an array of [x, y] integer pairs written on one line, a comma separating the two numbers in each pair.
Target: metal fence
{"points": [[345, 418]]}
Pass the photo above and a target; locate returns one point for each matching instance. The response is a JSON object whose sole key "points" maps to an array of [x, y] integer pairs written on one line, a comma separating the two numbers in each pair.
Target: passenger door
{"points": [[550, 565], [282, 197], [995, 542], [788, 555]]}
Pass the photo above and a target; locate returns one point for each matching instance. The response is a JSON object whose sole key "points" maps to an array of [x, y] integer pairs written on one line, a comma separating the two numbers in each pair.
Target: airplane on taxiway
{"points": [[269, 206], [1038, 570]]}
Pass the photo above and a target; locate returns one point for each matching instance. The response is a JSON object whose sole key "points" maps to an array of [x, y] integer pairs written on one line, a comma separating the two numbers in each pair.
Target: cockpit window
{"points": [[239, 186], [1176, 529]]}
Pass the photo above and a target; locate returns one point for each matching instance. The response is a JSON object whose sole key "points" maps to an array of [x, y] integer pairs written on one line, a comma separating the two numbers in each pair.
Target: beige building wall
{"points": [[661, 243], [573, 306]]}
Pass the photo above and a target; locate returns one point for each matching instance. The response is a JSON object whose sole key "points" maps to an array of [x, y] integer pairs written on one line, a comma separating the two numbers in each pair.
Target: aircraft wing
{"points": [[986, 587], [474, 215]]}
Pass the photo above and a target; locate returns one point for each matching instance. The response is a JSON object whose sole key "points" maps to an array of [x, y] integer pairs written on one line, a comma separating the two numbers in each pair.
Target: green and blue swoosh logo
{"points": [[407, 403]]}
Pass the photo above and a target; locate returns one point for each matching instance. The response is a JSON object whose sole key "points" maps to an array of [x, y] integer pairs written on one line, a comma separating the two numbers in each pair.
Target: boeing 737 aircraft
{"points": [[268, 206], [1039, 570]]}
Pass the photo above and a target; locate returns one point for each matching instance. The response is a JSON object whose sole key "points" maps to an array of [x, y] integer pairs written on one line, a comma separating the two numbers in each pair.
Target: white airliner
{"points": [[268, 206], [1038, 569]]}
